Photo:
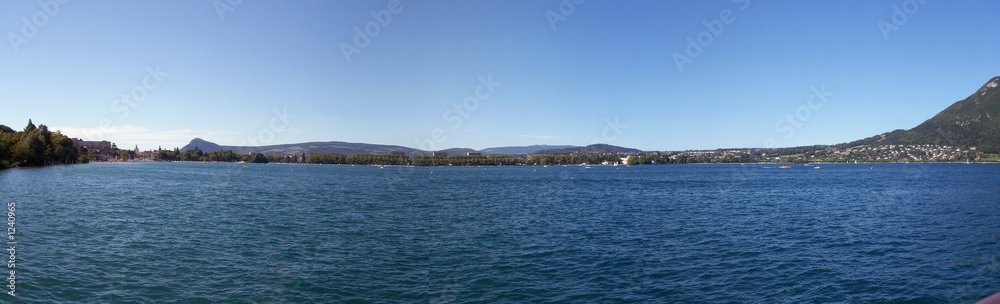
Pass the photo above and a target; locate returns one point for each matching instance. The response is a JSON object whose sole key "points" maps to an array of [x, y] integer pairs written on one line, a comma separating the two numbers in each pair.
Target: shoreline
{"points": [[576, 165]]}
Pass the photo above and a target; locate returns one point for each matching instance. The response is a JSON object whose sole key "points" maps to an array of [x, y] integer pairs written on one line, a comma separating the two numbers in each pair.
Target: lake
{"points": [[202, 233]]}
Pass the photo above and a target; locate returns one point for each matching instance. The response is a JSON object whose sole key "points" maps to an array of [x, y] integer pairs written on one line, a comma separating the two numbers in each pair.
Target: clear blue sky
{"points": [[605, 61]]}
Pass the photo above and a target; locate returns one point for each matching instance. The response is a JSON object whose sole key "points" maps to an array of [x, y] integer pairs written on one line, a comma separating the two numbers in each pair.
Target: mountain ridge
{"points": [[595, 148], [971, 122], [522, 150], [348, 148], [345, 148]]}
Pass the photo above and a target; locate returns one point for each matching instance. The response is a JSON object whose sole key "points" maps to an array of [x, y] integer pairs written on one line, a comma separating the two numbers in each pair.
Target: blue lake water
{"points": [[190, 232]]}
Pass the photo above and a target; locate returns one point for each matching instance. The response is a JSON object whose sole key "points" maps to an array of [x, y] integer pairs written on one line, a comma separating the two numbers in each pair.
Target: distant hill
{"points": [[595, 148], [310, 147], [359, 148], [458, 151], [204, 145], [974, 121], [522, 149]]}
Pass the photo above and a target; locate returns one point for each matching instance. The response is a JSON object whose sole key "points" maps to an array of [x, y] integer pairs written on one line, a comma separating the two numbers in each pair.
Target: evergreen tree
{"points": [[30, 127]]}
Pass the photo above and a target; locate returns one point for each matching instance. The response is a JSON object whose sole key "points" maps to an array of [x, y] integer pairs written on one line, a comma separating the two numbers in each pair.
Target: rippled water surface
{"points": [[162, 232]]}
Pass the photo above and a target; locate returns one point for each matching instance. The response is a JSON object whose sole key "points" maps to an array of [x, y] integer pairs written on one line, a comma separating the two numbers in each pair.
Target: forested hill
{"points": [[595, 148], [345, 148], [522, 150], [974, 121]]}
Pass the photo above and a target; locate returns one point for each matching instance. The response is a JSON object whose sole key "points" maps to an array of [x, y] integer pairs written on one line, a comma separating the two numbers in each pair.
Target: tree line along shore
{"points": [[37, 146], [197, 155], [895, 154]]}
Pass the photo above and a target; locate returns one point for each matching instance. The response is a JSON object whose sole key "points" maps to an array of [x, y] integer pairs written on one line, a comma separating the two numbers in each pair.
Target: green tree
{"points": [[259, 159], [326, 158], [44, 151], [63, 150], [28, 149], [30, 127], [7, 142], [272, 158]]}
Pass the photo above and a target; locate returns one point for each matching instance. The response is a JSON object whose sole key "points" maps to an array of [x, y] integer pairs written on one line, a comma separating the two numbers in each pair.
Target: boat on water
{"points": [[785, 167]]}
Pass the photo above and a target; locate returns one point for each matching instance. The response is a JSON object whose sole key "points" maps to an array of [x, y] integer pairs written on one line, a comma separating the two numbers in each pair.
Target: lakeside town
{"points": [[820, 154]]}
